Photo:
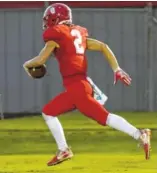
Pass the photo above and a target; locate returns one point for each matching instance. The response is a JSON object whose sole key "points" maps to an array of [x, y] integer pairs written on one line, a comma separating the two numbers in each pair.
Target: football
{"points": [[38, 72]]}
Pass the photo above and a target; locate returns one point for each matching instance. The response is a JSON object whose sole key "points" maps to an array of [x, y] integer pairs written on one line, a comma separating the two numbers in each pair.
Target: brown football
{"points": [[38, 72]]}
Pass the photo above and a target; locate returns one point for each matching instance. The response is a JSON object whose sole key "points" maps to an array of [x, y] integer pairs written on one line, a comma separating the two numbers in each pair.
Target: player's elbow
{"points": [[104, 47], [24, 65]]}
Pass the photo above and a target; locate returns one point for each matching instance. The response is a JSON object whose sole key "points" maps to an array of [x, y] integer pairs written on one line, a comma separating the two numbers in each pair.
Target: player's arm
{"points": [[43, 55], [96, 45]]}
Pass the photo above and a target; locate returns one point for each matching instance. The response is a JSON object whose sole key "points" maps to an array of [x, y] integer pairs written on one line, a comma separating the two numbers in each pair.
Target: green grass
{"points": [[26, 145]]}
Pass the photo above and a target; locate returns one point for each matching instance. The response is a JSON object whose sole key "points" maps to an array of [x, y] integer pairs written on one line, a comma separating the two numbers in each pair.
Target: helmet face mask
{"points": [[48, 22], [55, 14]]}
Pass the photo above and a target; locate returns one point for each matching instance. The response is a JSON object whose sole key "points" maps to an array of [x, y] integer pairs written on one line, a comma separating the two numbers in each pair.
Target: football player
{"points": [[69, 42]]}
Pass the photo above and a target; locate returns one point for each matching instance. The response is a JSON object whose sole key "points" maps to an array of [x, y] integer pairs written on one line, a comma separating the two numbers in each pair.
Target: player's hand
{"points": [[122, 76], [27, 71]]}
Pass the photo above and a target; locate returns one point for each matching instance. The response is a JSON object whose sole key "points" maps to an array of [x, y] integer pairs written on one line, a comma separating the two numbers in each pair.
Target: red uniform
{"points": [[73, 68]]}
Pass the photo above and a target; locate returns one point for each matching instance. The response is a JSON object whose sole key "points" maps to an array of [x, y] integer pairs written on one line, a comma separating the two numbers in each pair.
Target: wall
{"points": [[20, 40], [124, 30], [125, 33], [154, 59]]}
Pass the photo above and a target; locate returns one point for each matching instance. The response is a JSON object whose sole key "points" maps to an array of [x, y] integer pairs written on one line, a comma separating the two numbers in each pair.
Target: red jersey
{"points": [[71, 52]]}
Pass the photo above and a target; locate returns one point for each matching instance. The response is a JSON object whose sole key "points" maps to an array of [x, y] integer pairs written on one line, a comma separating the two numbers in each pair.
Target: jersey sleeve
{"points": [[52, 34]]}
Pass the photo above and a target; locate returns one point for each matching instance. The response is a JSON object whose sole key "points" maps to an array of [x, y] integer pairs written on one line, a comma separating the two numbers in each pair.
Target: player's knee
{"points": [[46, 117], [103, 119], [47, 110]]}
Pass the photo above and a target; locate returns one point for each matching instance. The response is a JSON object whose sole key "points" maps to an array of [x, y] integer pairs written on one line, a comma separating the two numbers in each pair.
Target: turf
{"points": [[26, 145]]}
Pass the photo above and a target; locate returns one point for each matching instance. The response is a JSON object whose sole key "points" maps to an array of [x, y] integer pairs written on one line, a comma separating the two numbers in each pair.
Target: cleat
{"points": [[145, 141], [60, 157]]}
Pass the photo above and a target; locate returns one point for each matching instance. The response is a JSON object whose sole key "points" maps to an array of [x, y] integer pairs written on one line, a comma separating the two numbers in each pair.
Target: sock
{"points": [[57, 131], [121, 124]]}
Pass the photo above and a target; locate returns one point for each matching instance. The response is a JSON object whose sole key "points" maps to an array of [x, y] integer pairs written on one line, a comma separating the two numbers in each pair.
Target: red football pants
{"points": [[77, 96]]}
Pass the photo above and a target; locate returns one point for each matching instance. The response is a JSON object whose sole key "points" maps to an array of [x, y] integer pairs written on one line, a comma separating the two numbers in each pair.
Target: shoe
{"points": [[60, 157], [145, 141]]}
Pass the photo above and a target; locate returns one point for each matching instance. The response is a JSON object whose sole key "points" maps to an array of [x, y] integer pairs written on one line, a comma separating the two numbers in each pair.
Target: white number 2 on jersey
{"points": [[78, 41]]}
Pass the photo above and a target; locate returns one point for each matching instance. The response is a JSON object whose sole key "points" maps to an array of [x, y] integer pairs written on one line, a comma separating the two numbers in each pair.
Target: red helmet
{"points": [[55, 14]]}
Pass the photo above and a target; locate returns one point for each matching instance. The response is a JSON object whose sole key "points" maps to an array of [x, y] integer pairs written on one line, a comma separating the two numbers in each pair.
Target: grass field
{"points": [[26, 145]]}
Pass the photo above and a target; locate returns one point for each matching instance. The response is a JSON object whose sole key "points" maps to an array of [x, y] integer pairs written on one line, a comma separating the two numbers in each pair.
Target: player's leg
{"points": [[91, 108], [119, 123], [60, 104]]}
